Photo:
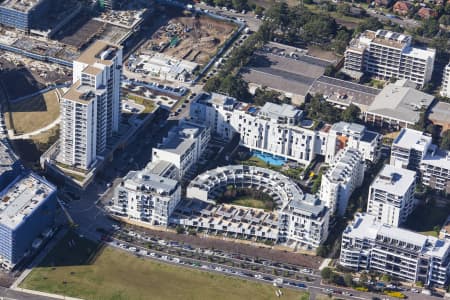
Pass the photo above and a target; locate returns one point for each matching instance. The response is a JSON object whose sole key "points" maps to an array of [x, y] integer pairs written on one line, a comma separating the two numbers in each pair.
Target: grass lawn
{"points": [[250, 202], [118, 275], [33, 113], [149, 105]]}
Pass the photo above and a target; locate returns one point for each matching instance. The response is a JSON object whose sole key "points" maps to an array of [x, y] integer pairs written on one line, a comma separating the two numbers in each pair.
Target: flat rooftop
{"points": [[99, 52], [284, 73], [181, 138], [158, 184], [21, 198], [20, 5], [440, 113], [277, 111], [343, 92], [81, 93], [344, 161], [439, 158], [410, 138], [394, 180], [399, 101]]}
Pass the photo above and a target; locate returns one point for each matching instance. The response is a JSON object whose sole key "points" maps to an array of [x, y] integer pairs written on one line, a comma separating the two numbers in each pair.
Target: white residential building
{"points": [[183, 146], [276, 129], [435, 169], [445, 86], [344, 175], [409, 148], [388, 54], [370, 245], [391, 195], [90, 109], [146, 197], [343, 134], [304, 221]]}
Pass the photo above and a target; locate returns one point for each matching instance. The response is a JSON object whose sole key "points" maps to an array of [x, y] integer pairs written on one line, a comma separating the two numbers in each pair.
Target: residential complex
{"points": [[147, 197], [445, 85], [302, 218], [388, 54], [398, 105], [90, 109], [391, 195], [435, 169], [409, 148], [368, 244], [344, 175], [27, 211], [183, 147], [277, 129]]}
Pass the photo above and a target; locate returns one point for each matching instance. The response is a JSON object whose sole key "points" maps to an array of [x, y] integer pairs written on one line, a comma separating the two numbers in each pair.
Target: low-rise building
{"points": [[344, 175], [27, 210], [391, 195], [439, 115], [409, 148], [402, 8], [426, 13], [183, 146], [398, 105], [370, 245]]}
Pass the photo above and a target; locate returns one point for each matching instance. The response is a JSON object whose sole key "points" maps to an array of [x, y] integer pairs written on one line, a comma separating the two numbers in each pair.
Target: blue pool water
{"points": [[269, 158]]}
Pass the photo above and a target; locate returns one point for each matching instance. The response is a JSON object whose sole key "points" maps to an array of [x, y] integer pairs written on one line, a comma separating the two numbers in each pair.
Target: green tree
{"points": [[445, 140], [370, 23], [343, 9], [322, 250], [240, 5], [326, 273], [351, 114], [348, 279], [341, 41], [429, 28]]}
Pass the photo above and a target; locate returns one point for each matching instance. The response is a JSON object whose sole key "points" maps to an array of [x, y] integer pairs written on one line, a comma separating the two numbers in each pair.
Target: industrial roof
{"points": [[400, 102]]}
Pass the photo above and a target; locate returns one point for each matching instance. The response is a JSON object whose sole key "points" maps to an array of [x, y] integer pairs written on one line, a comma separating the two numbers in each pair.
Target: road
{"points": [[404, 23]]}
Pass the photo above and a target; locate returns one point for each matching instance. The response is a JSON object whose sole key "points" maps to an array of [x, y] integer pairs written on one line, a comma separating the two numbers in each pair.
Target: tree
{"points": [[326, 273], [445, 140], [363, 278], [351, 113], [341, 41], [429, 28], [348, 279], [370, 23], [343, 9], [179, 229], [322, 250], [263, 95], [240, 5]]}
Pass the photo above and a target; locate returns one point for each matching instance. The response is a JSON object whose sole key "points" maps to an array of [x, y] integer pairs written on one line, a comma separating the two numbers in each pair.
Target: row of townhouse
{"points": [[277, 129]]}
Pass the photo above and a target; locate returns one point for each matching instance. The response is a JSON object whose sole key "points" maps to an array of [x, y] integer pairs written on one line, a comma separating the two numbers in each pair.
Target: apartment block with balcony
{"points": [[445, 85], [391, 195], [388, 54], [409, 148], [146, 197], [344, 175], [435, 169], [368, 244], [90, 109]]}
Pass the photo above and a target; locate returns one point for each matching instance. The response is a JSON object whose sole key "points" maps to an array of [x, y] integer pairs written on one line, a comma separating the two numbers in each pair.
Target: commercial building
{"points": [[20, 14], [391, 195], [300, 219], [277, 129], [435, 169], [409, 148], [146, 197], [398, 105], [27, 210], [388, 54], [344, 175], [370, 245], [90, 109], [183, 147]]}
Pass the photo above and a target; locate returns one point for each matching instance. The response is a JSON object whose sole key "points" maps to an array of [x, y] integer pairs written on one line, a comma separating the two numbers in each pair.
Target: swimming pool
{"points": [[269, 158]]}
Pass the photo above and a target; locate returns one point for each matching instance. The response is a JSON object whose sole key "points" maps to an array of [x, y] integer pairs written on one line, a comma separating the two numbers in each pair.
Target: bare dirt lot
{"points": [[193, 38]]}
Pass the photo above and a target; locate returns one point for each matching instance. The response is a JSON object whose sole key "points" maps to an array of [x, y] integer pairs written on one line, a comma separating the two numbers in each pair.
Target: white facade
{"points": [[344, 175], [445, 86], [391, 195], [90, 109], [304, 221], [409, 148], [183, 146], [302, 218], [370, 245], [146, 197], [388, 54], [275, 129], [435, 170]]}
